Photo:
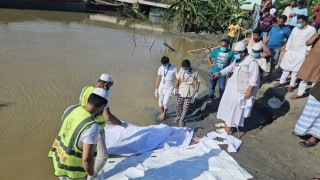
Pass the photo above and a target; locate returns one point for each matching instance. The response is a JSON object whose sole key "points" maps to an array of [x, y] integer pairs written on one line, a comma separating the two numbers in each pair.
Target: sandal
{"points": [[220, 125], [307, 144]]}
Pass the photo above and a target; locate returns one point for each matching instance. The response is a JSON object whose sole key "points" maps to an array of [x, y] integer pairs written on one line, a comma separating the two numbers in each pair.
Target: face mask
{"points": [[237, 56], [110, 87], [299, 26], [166, 66], [186, 70], [223, 49], [255, 55]]}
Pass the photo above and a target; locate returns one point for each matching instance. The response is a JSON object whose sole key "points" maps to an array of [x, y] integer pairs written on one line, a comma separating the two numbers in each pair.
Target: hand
{"points": [[318, 32], [175, 92], [124, 124], [156, 93], [247, 94], [282, 48], [213, 64], [216, 75]]}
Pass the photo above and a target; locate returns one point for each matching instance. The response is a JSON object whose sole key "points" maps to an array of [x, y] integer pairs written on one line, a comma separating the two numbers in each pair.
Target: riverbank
{"points": [[269, 150]]}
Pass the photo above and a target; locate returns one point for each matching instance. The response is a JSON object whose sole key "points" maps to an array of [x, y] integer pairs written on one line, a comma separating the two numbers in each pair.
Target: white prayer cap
{"points": [[106, 77], [101, 92], [257, 47], [272, 11], [240, 46]]}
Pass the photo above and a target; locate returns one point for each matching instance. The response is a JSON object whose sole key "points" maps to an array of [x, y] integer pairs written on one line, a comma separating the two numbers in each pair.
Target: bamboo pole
{"points": [[134, 40], [151, 44], [168, 46]]}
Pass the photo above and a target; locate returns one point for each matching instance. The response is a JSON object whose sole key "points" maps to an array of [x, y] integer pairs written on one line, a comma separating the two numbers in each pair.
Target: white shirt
{"points": [[287, 12], [89, 135], [167, 76], [299, 37]]}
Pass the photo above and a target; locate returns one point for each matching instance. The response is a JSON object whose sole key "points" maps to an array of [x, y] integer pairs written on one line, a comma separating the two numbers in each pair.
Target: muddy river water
{"points": [[48, 57]]}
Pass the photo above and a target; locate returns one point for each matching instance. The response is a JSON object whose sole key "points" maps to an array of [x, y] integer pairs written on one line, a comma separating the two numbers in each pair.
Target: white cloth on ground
{"points": [[204, 160], [134, 139], [232, 142]]}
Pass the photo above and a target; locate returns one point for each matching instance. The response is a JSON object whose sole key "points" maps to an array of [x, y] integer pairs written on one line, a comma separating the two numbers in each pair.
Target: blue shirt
{"points": [[221, 59], [302, 11], [277, 36]]}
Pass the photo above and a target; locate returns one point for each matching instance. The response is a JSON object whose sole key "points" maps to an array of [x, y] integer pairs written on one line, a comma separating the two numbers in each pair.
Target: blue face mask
{"points": [[255, 55], [223, 49], [110, 89], [166, 66], [299, 26], [237, 56], [186, 70]]}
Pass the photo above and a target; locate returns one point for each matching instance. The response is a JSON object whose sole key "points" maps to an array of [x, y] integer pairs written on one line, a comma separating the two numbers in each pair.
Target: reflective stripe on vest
{"points": [[67, 157], [85, 93]]}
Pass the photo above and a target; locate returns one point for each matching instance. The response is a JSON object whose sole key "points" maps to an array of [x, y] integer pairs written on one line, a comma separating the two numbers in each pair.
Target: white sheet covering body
{"points": [[135, 139], [199, 161]]}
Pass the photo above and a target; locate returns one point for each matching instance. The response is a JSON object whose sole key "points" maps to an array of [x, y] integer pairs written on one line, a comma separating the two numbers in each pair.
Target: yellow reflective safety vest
{"points": [[65, 154], [85, 93]]}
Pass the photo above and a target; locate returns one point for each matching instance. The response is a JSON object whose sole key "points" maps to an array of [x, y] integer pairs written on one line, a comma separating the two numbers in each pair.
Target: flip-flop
{"points": [[220, 125], [307, 144]]}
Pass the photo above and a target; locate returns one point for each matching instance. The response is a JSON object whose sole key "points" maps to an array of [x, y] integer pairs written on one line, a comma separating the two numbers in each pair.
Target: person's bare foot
{"points": [[290, 88], [160, 117], [295, 96], [278, 85]]}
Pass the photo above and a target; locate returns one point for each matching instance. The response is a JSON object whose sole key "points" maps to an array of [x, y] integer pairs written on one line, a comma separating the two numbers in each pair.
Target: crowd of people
{"points": [[79, 150]]}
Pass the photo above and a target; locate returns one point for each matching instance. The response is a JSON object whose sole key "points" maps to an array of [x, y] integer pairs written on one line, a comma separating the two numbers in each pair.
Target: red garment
{"points": [[317, 10]]}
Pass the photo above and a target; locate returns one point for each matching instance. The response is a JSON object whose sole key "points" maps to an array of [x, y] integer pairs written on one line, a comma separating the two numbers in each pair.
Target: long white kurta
{"points": [[296, 48], [230, 110]]}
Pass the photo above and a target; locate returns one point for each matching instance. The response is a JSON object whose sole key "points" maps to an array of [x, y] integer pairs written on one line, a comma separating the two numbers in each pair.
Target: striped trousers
{"points": [[182, 106]]}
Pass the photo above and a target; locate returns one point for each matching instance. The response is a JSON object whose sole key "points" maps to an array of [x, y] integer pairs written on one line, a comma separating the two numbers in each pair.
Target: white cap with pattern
{"points": [[101, 92], [240, 46], [106, 77]]}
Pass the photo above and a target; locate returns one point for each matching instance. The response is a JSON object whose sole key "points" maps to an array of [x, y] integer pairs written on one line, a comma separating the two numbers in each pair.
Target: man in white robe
{"points": [[164, 85], [295, 54], [241, 89]]}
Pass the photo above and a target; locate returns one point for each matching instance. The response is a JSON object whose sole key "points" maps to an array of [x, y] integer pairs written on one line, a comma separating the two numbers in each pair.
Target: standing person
{"points": [[310, 69], [275, 41], [164, 85], [297, 11], [256, 38], [233, 31], [218, 59], [256, 14], [73, 149], [241, 89], [186, 88], [266, 22], [309, 121], [295, 54], [287, 11], [106, 82], [317, 21]]}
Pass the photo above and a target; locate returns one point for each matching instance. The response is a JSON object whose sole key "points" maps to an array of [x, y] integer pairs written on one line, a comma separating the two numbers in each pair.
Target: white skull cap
{"points": [[106, 77], [101, 92], [240, 46], [257, 47]]}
